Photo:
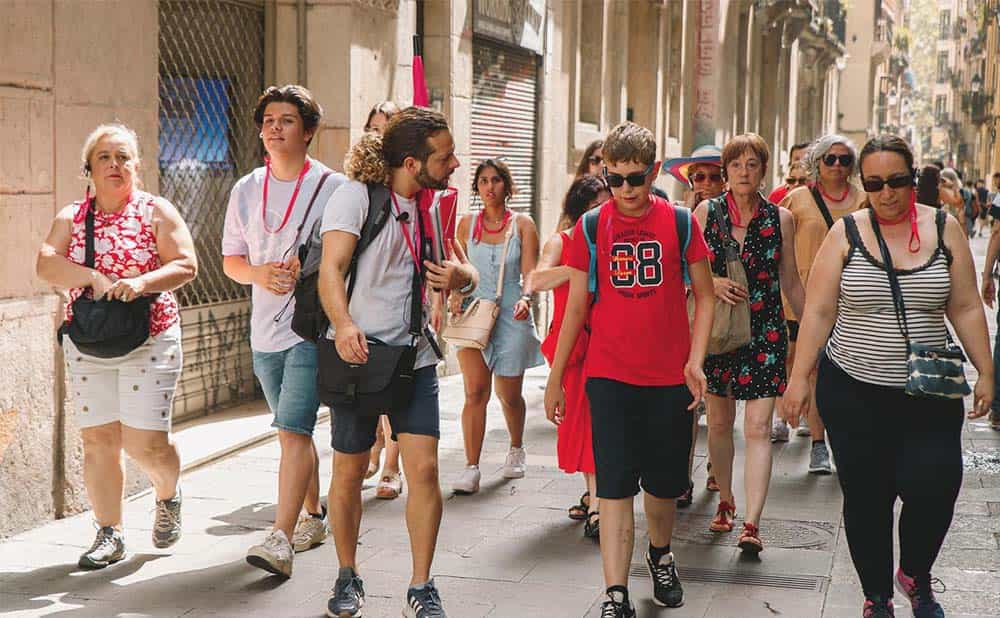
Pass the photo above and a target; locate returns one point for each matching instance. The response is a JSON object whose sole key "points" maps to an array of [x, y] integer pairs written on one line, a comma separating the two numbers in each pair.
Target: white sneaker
{"points": [[779, 431], [803, 429], [468, 481], [309, 532], [514, 467], [274, 555]]}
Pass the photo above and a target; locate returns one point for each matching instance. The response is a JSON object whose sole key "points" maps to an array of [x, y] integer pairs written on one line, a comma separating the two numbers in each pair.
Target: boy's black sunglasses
{"points": [[874, 185], [635, 180]]}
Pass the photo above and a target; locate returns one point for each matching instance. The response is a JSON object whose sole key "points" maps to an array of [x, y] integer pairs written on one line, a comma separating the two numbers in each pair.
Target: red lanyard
{"points": [[291, 202], [734, 211], [411, 243], [912, 214]]}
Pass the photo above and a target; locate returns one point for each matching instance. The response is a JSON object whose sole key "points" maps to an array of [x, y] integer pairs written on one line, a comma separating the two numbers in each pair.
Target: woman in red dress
{"points": [[574, 448]]}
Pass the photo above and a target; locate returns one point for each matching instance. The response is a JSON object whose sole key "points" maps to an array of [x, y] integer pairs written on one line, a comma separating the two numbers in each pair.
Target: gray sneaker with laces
{"points": [[274, 555], [108, 548], [348, 595], [423, 602], [819, 459], [167, 524]]}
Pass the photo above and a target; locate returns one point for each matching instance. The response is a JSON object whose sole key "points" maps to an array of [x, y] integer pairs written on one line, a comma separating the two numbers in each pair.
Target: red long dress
{"points": [[574, 445]]}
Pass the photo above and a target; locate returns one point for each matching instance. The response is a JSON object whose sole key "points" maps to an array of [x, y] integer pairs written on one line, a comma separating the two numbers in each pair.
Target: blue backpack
{"points": [[682, 219]]}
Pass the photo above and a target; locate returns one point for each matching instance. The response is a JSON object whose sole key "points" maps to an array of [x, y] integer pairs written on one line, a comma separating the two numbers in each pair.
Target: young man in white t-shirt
{"points": [[271, 212], [417, 152]]}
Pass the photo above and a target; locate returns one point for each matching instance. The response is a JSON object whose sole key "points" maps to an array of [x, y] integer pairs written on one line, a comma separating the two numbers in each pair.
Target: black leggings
{"points": [[888, 444]]}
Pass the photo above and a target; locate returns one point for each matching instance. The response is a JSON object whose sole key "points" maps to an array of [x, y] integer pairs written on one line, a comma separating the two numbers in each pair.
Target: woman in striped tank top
{"points": [[888, 444]]}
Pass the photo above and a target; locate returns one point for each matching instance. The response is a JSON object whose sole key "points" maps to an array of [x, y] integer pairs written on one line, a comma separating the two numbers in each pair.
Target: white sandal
{"points": [[390, 487]]}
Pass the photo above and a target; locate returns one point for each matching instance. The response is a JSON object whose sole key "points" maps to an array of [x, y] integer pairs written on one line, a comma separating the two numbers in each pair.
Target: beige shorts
{"points": [[136, 389]]}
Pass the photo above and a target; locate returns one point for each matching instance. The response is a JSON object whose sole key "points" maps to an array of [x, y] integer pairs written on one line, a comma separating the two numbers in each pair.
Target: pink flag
{"points": [[420, 98]]}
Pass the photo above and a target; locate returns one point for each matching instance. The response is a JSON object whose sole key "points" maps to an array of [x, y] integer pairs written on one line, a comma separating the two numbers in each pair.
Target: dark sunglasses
{"points": [[595, 160], [796, 181], [635, 180], [703, 176], [874, 185], [846, 160]]}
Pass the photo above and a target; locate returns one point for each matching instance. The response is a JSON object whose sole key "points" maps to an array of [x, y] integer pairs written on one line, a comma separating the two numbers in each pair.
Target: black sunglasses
{"points": [[796, 181], [635, 180], [703, 176], [846, 160], [874, 185], [595, 160]]}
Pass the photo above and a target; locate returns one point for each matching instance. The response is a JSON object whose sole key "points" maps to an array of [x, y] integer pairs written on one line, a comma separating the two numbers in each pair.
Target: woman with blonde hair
{"points": [[124, 251]]}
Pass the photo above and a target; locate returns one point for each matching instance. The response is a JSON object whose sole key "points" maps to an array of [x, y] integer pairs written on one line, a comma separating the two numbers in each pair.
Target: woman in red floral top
{"points": [[141, 247]]}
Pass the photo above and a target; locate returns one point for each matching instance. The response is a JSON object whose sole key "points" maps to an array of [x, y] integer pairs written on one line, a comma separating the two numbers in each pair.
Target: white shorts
{"points": [[136, 389]]}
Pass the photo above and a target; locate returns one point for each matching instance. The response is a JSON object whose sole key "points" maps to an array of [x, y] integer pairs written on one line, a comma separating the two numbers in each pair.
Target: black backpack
{"points": [[309, 321]]}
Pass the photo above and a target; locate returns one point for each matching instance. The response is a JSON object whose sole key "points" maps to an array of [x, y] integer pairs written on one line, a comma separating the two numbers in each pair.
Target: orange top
{"points": [[810, 226]]}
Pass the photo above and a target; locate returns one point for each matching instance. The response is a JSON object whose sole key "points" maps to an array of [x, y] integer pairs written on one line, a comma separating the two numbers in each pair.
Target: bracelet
{"points": [[468, 287], [526, 298]]}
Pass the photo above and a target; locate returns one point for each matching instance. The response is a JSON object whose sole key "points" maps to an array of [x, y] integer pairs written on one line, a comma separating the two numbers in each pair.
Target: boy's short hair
{"points": [[629, 142], [740, 144]]}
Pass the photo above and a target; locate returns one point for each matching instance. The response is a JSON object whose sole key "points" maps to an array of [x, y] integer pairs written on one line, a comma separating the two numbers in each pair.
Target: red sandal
{"points": [[724, 516], [750, 539]]}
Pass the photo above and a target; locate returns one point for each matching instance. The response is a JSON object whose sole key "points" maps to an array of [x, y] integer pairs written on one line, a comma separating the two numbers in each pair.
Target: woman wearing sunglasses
{"points": [[889, 444], [830, 162], [754, 373]]}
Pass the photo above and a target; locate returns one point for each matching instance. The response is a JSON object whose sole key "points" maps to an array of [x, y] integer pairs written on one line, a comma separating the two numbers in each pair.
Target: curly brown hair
{"points": [[364, 161]]}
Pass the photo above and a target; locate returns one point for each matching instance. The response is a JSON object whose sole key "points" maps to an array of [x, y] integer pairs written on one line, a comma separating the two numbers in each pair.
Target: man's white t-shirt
{"points": [[244, 234], [380, 304]]}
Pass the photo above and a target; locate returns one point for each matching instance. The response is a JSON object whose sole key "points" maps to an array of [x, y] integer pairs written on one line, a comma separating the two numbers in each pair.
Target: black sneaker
{"points": [[423, 602], [616, 606], [995, 419], [108, 548], [667, 590], [348, 595], [687, 497]]}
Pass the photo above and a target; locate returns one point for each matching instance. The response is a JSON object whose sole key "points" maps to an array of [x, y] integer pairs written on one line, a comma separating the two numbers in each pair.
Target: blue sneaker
{"points": [[920, 595], [348, 595], [423, 602]]}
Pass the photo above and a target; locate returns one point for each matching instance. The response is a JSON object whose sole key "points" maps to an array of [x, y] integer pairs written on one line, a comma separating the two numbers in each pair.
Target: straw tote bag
{"points": [[472, 328]]}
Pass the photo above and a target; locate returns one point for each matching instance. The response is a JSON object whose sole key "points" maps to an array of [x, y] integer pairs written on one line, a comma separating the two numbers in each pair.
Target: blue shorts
{"points": [[289, 382], [354, 433]]}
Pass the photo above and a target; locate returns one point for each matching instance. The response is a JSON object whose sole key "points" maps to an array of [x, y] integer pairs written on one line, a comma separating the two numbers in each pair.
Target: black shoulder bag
{"points": [[933, 371], [822, 207], [385, 383], [101, 327]]}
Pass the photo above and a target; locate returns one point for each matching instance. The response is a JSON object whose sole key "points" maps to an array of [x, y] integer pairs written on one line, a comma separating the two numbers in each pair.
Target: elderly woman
{"points": [[888, 443], [379, 116], [122, 244], [831, 163], [755, 372]]}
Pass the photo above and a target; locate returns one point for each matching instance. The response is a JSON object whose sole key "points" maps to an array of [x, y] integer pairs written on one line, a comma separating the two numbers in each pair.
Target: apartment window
{"points": [[940, 108], [945, 23], [942, 67]]}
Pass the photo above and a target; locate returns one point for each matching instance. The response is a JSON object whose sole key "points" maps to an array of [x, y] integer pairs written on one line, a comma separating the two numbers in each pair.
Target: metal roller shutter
{"points": [[504, 101]]}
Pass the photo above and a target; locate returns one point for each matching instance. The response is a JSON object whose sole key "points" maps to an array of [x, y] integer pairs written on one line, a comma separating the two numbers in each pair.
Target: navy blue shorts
{"points": [[354, 433]]}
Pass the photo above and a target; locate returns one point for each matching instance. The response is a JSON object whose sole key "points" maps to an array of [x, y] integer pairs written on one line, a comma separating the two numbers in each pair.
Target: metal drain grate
{"points": [[811, 583]]}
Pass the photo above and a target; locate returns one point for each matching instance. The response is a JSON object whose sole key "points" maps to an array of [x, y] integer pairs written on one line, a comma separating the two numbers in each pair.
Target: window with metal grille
{"points": [[211, 73]]}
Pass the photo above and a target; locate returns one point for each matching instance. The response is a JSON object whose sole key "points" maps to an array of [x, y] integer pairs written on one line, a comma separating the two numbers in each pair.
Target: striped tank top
{"points": [[866, 341]]}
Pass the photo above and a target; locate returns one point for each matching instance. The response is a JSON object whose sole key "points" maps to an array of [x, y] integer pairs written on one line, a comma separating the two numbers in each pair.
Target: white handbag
{"points": [[473, 327]]}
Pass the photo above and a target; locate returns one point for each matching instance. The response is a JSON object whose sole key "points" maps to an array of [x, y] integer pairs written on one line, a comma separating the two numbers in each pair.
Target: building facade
{"points": [[534, 81]]}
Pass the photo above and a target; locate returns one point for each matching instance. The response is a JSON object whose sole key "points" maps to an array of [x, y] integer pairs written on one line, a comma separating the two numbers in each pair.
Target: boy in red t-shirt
{"points": [[643, 367]]}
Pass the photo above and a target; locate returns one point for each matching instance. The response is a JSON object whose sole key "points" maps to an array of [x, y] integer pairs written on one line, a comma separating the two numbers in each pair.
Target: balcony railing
{"points": [[977, 106], [944, 75]]}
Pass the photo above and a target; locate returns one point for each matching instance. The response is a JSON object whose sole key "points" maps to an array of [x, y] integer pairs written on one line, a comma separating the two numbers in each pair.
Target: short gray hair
{"points": [[822, 146]]}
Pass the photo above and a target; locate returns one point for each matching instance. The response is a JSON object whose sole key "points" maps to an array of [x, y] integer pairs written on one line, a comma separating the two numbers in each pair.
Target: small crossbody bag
{"points": [[933, 371]]}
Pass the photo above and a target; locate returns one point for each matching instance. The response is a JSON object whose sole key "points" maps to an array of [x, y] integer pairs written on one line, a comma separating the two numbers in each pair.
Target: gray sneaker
{"points": [[310, 531], [348, 595], [819, 459], [423, 602], [108, 548], [274, 555], [167, 524]]}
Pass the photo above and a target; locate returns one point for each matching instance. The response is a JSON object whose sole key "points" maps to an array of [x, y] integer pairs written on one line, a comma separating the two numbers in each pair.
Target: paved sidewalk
{"points": [[509, 551]]}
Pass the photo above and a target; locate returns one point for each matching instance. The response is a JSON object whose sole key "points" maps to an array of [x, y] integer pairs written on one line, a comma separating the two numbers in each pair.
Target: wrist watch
{"points": [[468, 287]]}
